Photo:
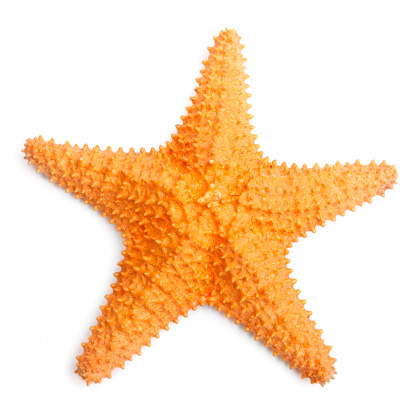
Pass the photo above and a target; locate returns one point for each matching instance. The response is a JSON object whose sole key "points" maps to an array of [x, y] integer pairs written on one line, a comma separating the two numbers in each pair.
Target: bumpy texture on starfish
{"points": [[207, 220]]}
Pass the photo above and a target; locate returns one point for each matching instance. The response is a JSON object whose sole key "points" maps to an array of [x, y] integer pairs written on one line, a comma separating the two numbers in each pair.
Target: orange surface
{"points": [[207, 219]]}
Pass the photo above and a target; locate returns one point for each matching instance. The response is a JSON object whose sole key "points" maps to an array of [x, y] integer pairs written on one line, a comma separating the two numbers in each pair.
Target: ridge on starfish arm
{"points": [[207, 219]]}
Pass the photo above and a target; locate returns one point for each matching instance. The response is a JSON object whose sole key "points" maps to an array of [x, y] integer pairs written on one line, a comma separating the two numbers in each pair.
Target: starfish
{"points": [[207, 220]]}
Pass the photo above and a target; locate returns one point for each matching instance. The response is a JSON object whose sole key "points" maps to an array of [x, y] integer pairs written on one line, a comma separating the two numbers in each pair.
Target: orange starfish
{"points": [[207, 220]]}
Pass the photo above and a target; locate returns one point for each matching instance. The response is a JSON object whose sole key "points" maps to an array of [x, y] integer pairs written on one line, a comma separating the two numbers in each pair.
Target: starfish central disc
{"points": [[207, 220]]}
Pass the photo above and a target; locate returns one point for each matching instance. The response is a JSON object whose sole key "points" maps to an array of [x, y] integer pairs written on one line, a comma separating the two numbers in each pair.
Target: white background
{"points": [[329, 80]]}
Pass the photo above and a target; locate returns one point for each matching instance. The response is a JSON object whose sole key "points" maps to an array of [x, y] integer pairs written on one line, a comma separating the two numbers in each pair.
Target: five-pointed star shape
{"points": [[207, 219]]}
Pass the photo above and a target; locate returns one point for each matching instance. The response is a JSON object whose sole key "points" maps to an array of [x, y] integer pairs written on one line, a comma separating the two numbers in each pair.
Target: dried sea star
{"points": [[207, 219]]}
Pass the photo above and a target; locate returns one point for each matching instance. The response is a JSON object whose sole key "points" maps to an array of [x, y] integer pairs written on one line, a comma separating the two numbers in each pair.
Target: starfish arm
{"points": [[217, 127], [269, 307], [322, 194], [146, 298], [300, 199], [92, 174]]}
